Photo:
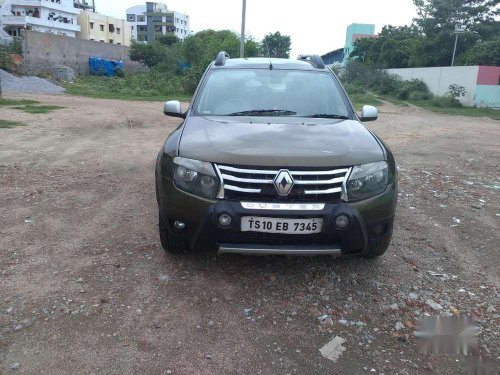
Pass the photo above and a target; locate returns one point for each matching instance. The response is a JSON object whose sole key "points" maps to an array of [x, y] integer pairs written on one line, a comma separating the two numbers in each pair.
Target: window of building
{"points": [[111, 28], [102, 27], [132, 28], [142, 38], [158, 29], [119, 44], [142, 28], [102, 41], [131, 17], [111, 41], [169, 18], [92, 25], [141, 18], [118, 30]]}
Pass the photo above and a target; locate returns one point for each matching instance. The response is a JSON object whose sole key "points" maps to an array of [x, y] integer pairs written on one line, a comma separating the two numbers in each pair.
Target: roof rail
{"points": [[221, 58], [315, 60]]}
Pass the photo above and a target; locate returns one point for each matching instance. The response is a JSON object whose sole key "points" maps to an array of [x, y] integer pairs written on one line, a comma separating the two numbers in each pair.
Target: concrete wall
{"points": [[440, 78], [480, 82], [488, 87], [42, 51]]}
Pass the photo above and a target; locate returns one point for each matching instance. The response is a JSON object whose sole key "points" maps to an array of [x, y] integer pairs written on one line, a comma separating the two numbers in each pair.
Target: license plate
{"points": [[279, 225]]}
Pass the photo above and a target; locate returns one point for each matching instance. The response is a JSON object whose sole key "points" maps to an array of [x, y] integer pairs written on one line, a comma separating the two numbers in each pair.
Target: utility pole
{"points": [[459, 29], [454, 49], [243, 20]]}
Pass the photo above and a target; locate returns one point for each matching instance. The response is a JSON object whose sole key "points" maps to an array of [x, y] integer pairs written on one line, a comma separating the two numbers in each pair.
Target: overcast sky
{"points": [[316, 26]]}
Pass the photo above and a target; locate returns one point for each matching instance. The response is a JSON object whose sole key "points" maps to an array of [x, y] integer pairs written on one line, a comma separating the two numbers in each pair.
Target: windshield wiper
{"points": [[326, 115], [263, 112]]}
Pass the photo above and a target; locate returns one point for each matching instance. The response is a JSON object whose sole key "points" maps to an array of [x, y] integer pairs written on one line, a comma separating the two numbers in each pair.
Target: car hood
{"points": [[269, 141]]}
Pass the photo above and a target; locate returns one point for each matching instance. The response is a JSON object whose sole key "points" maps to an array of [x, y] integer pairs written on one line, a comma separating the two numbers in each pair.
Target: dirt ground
{"points": [[85, 287]]}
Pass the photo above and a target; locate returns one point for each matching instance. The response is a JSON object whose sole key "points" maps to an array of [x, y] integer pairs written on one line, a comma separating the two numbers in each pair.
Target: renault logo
{"points": [[283, 182]]}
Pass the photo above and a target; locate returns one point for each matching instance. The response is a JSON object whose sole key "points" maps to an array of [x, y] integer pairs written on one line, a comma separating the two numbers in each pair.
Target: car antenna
{"points": [[269, 54]]}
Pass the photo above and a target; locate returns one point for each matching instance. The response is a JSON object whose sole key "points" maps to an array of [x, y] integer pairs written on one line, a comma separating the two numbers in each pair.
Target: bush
{"points": [[387, 84], [191, 78], [456, 91], [413, 87], [419, 96], [444, 101], [15, 47], [358, 75], [151, 84], [353, 88]]}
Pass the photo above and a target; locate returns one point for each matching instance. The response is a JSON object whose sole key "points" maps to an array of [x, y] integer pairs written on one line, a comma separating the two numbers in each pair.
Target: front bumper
{"points": [[370, 224]]}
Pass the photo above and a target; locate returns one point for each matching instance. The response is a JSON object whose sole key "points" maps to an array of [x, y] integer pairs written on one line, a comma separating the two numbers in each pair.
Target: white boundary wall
{"points": [[440, 78]]}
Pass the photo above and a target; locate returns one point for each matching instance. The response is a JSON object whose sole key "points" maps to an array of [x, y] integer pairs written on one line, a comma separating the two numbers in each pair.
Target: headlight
{"points": [[196, 177], [367, 180]]}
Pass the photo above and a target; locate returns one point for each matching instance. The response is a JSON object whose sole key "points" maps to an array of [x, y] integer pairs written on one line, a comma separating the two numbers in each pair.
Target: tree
{"points": [[167, 40], [392, 49], [431, 38], [202, 48], [485, 53], [252, 48], [276, 45], [437, 15], [147, 54]]}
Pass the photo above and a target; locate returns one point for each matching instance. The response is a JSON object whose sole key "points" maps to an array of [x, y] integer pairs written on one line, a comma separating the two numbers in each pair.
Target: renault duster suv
{"points": [[271, 158]]}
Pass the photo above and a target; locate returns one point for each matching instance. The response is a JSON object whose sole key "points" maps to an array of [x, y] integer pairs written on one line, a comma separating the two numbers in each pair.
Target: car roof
{"points": [[264, 62]]}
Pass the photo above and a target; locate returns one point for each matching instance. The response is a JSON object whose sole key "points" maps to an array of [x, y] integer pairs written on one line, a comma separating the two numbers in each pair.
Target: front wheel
{"points": [[379, 246], [169, 241]]}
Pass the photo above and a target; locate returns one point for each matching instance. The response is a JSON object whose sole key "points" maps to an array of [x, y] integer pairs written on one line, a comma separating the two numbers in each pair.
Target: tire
{"points": [[378, 247], [169, 241]]}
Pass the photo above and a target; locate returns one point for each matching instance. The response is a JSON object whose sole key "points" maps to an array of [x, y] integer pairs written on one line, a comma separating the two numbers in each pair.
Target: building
{"points": [[52, 16], [334, 57], [85, 5], [95, 26], [354, 32], [154, 19]]}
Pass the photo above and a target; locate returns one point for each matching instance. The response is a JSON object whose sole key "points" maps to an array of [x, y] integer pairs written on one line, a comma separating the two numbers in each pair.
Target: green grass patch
{"points": [[7, 124], [153, 86], [90, 93], [361, 99], [459, 111], [393, 100], [37, 109], [11, 102]]}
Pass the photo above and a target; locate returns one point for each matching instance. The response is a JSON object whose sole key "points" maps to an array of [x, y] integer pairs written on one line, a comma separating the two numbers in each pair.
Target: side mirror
{"points": [[369, 113], [173, 108]]}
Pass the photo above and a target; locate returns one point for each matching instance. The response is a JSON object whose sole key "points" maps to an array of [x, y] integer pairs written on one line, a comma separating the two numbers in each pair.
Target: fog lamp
{"points": [[342, 221], [225, 220], [179, 225]]}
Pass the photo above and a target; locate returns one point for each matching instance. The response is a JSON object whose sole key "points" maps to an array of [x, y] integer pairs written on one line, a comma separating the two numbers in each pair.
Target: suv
{"points": [[271, 158]]}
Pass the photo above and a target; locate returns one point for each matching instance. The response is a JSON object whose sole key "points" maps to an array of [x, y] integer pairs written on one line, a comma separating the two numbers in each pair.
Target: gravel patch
{"points": [[31, 85]]}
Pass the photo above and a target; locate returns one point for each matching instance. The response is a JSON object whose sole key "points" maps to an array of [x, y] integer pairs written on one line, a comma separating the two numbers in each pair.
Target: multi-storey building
{"points": [[95, 26], [85, 5], [154, 19], [354, 32], [53, 16]]}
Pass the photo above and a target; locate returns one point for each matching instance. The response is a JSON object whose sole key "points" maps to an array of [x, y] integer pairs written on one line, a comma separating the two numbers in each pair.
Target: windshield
{"points": [[265, 92]]}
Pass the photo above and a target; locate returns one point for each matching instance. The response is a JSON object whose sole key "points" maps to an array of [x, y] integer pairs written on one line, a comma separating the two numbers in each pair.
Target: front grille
{"points": [[251, 183], [278, 239]]}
